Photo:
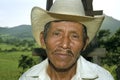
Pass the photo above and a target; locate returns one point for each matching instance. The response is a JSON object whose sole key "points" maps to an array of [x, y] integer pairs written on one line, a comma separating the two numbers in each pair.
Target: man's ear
{"points": [[86, 43], [42, 41]]}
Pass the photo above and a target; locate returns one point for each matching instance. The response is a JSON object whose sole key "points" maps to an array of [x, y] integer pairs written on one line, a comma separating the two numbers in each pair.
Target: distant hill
{"points": [[19, 32], [111, 24], [24, 31]]}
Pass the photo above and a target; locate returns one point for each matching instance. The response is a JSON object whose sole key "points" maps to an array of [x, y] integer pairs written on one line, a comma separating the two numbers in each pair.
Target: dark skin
{"points": [[63, 43]]}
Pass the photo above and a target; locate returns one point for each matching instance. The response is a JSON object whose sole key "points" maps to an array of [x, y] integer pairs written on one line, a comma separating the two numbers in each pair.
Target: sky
{"points": [[17, 12]]}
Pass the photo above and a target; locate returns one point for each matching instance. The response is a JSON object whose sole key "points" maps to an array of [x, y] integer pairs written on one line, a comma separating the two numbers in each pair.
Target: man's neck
{"points": [[61, 75]]}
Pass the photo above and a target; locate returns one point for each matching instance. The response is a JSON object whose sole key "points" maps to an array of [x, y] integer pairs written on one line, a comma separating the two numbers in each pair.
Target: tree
{"points": [[102, 37], [25, 62], [112, 45]]}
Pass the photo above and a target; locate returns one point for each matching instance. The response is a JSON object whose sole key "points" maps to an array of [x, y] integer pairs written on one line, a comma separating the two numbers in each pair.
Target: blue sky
{"points": [[17, 12]]}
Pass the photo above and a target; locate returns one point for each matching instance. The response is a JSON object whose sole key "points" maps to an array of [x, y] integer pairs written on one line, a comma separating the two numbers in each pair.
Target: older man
{"points": [[64, 32]]}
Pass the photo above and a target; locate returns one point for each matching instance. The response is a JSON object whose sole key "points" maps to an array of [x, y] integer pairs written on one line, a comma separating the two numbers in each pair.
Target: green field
{"points": [[9, 65]]}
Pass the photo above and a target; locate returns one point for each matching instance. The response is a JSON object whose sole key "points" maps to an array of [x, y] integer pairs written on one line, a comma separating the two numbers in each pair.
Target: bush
{"points": [[111, 69]]}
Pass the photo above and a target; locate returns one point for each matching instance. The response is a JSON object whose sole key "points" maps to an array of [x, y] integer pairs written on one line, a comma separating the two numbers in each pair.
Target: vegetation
{"points": [[9, 65], [112, 45], [25, 62], [11, 54]]}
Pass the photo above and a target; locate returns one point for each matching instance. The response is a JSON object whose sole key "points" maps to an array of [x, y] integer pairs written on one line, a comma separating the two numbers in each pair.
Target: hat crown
{"points": [[69, 7]]}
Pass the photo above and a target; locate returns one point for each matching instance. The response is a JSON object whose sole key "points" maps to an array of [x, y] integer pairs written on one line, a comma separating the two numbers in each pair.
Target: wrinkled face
{"points": [[63, 42]]}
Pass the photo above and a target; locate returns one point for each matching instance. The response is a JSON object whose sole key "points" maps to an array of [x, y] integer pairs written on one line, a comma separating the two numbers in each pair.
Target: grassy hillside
{"points": [[9, 65], [9, 60]]}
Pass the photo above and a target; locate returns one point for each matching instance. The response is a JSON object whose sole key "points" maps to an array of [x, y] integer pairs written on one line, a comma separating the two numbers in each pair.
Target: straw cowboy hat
{"points": [[64, 10]]}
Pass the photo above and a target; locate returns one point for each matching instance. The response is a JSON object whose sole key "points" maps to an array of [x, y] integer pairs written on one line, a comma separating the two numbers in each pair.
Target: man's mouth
{"points": [[63, 54]]}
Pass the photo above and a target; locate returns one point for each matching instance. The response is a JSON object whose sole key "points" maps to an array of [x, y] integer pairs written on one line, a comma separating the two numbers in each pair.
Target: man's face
{"points": [[63, 42]]}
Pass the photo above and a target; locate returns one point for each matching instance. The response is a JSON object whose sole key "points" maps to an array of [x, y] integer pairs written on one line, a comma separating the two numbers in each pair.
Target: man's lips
{"points": [[62, 56]]}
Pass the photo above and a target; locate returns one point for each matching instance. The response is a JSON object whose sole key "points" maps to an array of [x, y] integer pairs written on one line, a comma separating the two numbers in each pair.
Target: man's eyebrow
{"points": [[58, 29], [74, 32]]}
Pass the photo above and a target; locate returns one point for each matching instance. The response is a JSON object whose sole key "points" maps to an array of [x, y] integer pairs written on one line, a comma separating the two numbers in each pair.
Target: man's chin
{"points": [[61, 68]]}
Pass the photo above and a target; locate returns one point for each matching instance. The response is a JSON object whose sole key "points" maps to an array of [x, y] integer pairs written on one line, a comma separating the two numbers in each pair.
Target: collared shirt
{"points": [[85, 71]]}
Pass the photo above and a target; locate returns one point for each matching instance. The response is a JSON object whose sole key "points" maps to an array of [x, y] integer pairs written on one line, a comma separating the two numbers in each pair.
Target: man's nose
{"points": [[65, 42]]}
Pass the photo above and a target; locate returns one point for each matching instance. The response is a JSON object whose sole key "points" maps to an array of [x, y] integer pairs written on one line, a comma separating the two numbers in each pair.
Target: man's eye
{"points": [[75, 36], [56, 33]]}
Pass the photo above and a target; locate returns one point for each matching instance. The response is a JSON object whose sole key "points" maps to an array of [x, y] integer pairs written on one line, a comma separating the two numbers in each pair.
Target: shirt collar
{"points": [[84, 70], [39, 71]]}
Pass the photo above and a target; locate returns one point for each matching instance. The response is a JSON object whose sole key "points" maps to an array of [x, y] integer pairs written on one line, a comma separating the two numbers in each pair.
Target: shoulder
{"points": [[102, 73], [35, 70]]}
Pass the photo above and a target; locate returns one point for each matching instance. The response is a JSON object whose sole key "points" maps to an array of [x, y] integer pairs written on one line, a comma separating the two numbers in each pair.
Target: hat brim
{"points": [[40, 17]]}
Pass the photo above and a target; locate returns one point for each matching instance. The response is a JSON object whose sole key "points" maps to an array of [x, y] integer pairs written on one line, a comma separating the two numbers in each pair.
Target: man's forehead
{"points": [[66, 26], [64, 23]]}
